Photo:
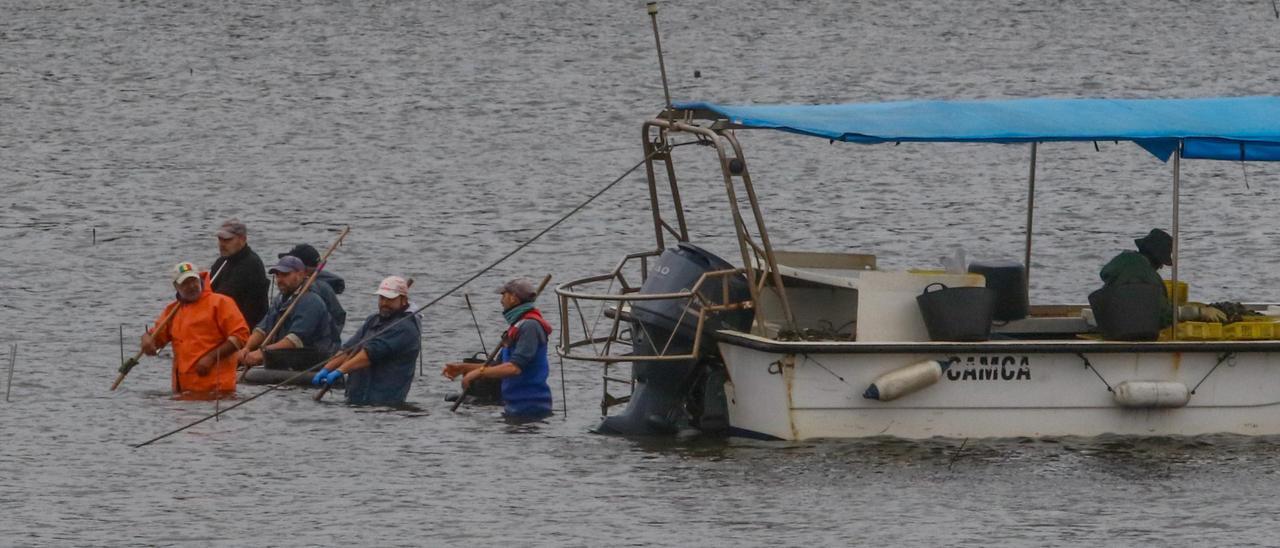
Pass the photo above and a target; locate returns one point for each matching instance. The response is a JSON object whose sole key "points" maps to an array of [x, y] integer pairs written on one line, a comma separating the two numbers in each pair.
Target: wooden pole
{"points": [[13, 360], [305, 287], [127, 365]]}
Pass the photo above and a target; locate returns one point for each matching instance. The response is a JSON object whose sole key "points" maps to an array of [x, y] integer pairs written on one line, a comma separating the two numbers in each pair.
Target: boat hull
{"points": [[1012, 391]]}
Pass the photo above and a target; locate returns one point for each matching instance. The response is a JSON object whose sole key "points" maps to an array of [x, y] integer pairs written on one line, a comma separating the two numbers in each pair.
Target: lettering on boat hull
{"points": [[989, 368]]}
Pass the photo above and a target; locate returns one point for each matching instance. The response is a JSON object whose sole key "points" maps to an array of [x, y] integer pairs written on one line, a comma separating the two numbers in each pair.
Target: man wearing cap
{"points": [[306, 327], [323, 287], [206, 331], [239, 272], [380, 368], [522, 363], [1155, 250]]}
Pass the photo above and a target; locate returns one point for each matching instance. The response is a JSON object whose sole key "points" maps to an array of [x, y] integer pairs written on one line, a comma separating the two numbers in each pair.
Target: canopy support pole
{"points": [[1177, 184], [1031, 205]]}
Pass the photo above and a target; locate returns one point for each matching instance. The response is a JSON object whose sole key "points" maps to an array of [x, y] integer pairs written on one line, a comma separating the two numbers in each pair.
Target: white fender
{"points": [[1151, 394], [906, 380]]}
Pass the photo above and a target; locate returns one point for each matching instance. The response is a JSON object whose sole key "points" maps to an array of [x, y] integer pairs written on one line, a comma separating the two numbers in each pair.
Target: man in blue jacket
{"points": [[307, 327], [327, 286], [522, 363], [380, 368]]}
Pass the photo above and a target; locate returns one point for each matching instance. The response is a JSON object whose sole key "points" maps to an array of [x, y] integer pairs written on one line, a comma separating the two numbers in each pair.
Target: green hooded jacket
{"points": [[1132, 267]]}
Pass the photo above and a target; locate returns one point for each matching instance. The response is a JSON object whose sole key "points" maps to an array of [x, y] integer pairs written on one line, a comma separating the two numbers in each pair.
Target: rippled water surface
{"points": [[445, 133]]}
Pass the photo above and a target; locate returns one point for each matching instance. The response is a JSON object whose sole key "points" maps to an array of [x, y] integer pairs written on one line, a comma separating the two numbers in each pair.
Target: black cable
{"points": [[1221, 358], [1095, 371], [419, 309]]}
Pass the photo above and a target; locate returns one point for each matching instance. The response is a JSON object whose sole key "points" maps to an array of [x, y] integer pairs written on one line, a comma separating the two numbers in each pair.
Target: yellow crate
{"points": [[1195, 331], [1183, 291], [1249, 331]]}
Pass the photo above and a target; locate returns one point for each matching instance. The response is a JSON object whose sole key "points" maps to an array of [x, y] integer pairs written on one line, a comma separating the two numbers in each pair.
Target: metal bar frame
{"points": [[1177, 192], [569, 293], [657, 149], [755, 255], [1031, 206]]}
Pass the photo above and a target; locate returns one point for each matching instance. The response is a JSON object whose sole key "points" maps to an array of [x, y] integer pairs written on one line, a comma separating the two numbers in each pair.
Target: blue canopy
{"points": [[1220, 128]]}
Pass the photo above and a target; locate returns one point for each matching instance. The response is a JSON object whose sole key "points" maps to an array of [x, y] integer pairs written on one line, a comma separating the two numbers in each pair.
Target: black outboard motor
{"points": [[659, 402]]}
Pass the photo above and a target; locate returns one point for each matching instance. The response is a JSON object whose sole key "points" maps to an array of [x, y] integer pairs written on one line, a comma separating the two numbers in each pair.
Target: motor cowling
{"points": [[664, 390]]}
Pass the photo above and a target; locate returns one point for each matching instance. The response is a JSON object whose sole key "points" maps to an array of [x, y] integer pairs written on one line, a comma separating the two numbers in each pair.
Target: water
{"points": [[446, 133]]}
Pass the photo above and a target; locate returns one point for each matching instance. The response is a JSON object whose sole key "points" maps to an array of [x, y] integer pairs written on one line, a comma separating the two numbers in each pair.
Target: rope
{"points": [[1221, 358], [1088, 365], [956, 456], [833, 373], [419, 309], [564, 392]]}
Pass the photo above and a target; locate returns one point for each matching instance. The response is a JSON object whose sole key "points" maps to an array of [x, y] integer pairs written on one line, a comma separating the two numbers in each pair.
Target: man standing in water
{"points": [[206, 331], [381, 368], [307, 326], [522, 363], [239, 272]]}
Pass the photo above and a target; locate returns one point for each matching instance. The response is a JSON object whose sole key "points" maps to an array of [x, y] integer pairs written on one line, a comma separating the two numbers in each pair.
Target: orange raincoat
{"points": [[197, 329]]}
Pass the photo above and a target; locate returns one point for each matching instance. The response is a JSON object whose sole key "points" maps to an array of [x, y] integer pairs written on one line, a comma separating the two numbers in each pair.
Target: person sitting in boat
{"points": [[1155, 250], [239, 272], [380, 368], [324, 287], [206, 331], [306, 328], [522, 364]]}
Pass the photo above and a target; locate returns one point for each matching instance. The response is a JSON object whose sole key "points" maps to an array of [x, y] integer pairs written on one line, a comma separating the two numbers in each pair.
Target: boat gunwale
{"points": [[763, 344]]}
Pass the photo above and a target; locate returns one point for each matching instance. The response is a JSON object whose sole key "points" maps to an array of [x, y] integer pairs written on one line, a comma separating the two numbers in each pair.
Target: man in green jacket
{"points": [[1155, 250]]}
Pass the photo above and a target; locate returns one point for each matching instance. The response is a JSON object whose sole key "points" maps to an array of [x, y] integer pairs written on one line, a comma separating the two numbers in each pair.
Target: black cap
{"points": [[306, 253], [1158, 245]]}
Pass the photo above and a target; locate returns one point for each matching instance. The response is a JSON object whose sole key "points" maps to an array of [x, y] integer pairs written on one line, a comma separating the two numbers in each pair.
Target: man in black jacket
{"points": [[240, 272]]}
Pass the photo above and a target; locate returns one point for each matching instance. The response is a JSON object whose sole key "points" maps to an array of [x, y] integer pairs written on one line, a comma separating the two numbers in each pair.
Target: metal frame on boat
{"points": [[767, 381]]}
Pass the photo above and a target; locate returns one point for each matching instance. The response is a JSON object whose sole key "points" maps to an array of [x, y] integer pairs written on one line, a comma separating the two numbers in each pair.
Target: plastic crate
{"points": [[1195, 331], [1249, 331], [1180, 296]]}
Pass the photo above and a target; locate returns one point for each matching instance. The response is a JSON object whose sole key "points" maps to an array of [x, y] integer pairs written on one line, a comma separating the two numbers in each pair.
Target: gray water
{"points": [[445, 133]]}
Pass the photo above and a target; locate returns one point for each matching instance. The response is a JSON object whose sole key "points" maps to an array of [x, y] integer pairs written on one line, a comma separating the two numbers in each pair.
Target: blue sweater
{"points": [[392, 353]]}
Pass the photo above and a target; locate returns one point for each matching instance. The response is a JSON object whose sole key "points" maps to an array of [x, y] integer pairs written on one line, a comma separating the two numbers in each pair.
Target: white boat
{"points": [[800, 345]]}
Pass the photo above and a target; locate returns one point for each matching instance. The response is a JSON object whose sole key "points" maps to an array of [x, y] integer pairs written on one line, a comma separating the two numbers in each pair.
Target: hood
{"points": [[334, 281]]}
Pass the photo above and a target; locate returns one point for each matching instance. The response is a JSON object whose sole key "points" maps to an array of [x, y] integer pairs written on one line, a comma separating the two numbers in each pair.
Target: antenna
{"points": [[652, 7]]}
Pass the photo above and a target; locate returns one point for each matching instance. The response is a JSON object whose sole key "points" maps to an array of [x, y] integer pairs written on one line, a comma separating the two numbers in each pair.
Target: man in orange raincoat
{"points": [[206, 332]]}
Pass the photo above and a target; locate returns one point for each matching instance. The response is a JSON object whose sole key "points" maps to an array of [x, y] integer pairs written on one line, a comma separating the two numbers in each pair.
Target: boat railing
{"points": [[585, 336]]}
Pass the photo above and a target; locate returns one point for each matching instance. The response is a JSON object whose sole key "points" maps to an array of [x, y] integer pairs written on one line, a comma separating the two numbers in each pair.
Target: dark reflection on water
{"points": [[444, 133]]}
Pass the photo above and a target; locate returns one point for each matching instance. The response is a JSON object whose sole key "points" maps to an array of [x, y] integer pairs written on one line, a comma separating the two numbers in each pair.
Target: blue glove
{"points": [[331, 377], [318, 380]]}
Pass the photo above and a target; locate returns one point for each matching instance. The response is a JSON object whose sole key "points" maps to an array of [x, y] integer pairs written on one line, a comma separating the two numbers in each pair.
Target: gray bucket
{"points": [[957, 313]]}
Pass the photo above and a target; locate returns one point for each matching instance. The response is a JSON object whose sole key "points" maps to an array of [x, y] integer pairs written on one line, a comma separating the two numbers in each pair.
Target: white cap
{"points": [[392, 287], [183, 271]]}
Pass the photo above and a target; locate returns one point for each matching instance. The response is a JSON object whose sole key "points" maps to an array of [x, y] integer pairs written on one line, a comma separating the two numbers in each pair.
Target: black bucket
{"points": [[1128, 312], [485, 391], [957, 313], [1009, 280]]}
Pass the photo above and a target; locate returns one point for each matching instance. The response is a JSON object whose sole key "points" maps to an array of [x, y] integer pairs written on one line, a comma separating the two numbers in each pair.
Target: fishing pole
{"points": [[489, 360], [297, 297], [467, 297], [419, 310], [127, 365]]}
